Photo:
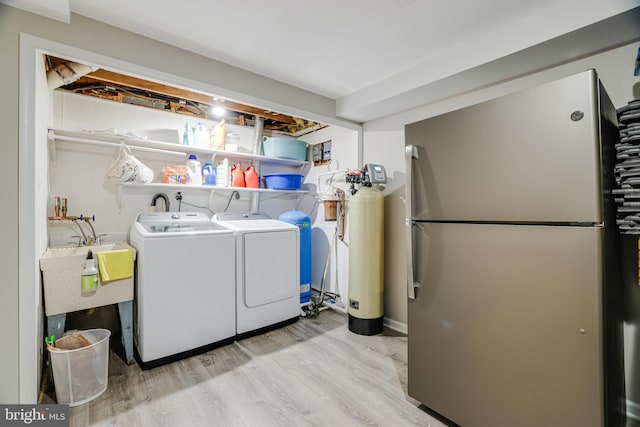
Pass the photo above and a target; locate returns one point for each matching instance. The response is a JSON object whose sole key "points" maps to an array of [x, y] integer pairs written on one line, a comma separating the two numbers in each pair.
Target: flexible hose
{"points": [[93, 231], [326, 266], [84, 236], [235, 194]]}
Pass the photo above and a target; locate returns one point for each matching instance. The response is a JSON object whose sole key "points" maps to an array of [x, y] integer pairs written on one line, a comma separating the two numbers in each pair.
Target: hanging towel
{"points": [[115, 265]]}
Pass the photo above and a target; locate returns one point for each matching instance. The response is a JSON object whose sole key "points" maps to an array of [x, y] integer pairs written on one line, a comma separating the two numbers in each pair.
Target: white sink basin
{"points": [[71, 251], [62, 271]]}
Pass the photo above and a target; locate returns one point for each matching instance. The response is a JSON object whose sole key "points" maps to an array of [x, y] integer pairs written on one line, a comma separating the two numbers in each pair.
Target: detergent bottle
{"points": [[208, 173], [251, 177], [201, 136], [218, 132], [237, 176], [194, 171]]}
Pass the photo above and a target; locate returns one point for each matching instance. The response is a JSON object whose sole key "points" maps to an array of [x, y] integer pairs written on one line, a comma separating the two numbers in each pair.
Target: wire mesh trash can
{"points": [[80, 363]]}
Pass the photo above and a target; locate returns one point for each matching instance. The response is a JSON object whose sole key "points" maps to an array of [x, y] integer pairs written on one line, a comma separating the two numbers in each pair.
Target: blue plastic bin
{"points": [[283, 181]]}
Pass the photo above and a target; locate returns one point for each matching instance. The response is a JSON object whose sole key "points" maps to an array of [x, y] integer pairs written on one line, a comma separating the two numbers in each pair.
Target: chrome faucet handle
{"points": [[79, 243], [99, 238]]}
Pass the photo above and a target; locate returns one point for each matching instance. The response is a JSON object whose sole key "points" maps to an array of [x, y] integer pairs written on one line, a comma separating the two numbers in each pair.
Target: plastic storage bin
{"points": [[80, 375], [285, 148], [283, 181]]}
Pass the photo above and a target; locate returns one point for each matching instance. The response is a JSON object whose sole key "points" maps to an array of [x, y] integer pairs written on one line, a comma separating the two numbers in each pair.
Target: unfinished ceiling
{"points": [[373, 59], [118, 87]]}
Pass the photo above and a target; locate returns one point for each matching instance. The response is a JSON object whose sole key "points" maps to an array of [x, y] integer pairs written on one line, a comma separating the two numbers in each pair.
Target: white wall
{"points": [[384, 143], [344, 150]]}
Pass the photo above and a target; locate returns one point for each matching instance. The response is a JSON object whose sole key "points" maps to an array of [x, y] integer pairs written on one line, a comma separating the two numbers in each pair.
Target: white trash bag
{"points": [[127, 168]]}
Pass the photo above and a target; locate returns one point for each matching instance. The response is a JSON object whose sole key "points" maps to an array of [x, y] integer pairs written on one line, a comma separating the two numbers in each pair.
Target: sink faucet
{"points": [[85, 239], [163, 197], [93, 240]]}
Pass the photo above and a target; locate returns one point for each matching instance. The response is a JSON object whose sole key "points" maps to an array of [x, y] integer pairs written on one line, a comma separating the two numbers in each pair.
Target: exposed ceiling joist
{"points": [[111, 77], [123, 88]]}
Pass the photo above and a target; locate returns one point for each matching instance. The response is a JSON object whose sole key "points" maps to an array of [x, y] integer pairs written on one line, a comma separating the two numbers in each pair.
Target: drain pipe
{"points": [[257, 149]]}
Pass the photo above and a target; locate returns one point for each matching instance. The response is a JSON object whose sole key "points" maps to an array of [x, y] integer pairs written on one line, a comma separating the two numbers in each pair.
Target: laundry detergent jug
{"points": [[251, 177], [237, 176]]}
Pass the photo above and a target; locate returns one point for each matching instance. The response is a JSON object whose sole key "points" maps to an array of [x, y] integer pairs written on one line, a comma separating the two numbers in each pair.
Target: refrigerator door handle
{"points": [[411, 152]]}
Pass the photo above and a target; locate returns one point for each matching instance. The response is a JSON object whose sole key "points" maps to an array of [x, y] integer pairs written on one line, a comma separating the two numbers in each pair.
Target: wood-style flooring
{"points": [[311, 373]]}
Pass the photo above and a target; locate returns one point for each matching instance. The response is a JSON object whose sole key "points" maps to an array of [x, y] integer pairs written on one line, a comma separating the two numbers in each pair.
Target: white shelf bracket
{"points": [[51, 138]]}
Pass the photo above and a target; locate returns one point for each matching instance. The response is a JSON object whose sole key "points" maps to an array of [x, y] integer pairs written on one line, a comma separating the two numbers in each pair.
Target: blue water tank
{"points": [[303, 221]]}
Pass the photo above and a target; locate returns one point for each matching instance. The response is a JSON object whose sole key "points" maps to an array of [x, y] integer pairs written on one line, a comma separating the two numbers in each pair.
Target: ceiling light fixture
{"points": [[216, 109]]}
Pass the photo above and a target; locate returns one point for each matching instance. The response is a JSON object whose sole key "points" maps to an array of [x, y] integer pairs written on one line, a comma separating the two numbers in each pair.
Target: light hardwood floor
{"points": [[311, 373]]}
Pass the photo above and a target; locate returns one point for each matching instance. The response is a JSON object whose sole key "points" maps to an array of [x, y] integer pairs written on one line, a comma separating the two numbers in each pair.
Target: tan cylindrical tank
{"points": [[366, 261]]}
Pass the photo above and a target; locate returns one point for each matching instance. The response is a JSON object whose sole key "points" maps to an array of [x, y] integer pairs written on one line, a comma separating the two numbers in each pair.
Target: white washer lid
{"points": [[172, 217], [168, 224], [240, 216]]}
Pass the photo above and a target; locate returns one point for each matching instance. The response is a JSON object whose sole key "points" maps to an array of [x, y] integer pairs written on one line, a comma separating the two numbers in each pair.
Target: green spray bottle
{"points": [[89, 276]]}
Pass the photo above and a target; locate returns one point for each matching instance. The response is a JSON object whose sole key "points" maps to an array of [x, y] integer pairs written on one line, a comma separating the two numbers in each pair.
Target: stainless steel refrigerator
{"points": [[514, 311]]}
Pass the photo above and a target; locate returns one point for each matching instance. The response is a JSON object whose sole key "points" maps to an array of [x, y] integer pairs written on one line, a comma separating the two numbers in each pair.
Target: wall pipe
{"points": [[257, 148]]}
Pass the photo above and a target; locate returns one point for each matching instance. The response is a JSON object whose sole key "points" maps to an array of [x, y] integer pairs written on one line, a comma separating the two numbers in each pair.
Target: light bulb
{"points": [[217, 111]]}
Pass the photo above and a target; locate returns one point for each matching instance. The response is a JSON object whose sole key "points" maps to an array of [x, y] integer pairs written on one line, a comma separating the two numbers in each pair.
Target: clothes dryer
{"points": [[267, 271]]}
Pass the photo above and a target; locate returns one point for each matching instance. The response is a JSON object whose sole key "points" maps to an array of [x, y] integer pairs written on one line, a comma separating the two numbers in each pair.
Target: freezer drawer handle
{"points": [[411, 152]]}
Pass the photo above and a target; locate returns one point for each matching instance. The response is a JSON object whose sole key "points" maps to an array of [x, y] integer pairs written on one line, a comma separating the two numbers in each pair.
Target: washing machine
{"points": [[268, 271], [185, 286]]}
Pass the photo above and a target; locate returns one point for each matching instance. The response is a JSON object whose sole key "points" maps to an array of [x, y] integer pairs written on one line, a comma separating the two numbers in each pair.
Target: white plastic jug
{"points": [[201, 136], [194, 171]]}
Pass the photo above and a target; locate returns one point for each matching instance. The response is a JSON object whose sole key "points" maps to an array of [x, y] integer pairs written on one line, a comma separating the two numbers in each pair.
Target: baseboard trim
{"points": [[633, 410], [395, 325]]}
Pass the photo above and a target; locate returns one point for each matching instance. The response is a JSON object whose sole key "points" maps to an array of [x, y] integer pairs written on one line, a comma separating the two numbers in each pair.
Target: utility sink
{"points": [[62, 272], [71, 251]]}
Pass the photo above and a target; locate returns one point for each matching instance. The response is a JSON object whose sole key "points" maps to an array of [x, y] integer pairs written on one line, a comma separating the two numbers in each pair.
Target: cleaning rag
{"points": [[115, 265]]}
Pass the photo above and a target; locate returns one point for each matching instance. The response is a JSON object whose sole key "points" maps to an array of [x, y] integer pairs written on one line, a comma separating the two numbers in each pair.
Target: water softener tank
{"points": [[303, 221], [366, 261]]}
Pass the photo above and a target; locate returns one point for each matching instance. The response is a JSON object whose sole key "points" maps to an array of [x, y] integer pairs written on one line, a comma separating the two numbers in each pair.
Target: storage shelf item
{"points": [[105, 139], [283, 181]]}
